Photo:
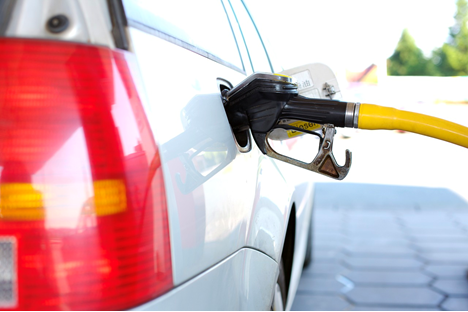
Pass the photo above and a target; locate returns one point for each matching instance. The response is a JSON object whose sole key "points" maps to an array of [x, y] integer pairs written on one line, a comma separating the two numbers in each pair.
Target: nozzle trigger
{"points": [[324, 163]]}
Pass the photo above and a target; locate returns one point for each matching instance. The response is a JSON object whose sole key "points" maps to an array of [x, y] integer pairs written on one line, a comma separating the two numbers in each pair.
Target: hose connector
{"points": [[352, 114]]}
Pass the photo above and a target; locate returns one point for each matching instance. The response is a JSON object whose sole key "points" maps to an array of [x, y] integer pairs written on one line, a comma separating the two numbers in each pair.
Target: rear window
{"points": [[201, 24]]}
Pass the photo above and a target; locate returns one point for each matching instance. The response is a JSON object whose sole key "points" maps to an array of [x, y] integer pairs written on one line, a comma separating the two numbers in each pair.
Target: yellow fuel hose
{"points": [[374, 117]]}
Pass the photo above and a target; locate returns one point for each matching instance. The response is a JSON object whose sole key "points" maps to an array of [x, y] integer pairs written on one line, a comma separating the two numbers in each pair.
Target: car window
{"points": [[255, 46], [201, 24]]}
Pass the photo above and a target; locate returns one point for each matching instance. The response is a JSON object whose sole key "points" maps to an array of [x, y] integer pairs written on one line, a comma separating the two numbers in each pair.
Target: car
{"points": [[122, 185]]}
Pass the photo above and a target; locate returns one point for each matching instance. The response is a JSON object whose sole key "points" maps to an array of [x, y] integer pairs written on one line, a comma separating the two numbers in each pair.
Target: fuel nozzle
{"points": [[265, 102], [262, 101]]}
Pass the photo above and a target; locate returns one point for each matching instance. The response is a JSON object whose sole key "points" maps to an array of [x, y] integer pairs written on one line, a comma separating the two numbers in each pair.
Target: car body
{"points": [[204, 214]]}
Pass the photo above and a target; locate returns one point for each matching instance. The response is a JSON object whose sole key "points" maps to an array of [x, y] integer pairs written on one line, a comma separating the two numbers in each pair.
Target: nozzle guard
{"points": [[324, 163]]}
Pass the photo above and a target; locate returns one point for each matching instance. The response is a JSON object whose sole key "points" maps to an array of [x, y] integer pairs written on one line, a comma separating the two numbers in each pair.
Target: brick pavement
{"points": [[381, 247]]}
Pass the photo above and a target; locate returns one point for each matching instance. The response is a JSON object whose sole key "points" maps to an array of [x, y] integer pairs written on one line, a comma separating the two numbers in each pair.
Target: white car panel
{"points": [[244, 281], [247, 202], [89, 20]]}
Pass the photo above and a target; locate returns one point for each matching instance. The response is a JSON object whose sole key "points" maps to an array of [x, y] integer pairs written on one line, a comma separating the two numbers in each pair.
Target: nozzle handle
{"points": [[324, 163], [320, 111]]}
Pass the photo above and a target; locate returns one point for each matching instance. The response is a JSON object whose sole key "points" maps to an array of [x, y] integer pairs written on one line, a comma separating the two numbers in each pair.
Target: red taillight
{"points": [[83, 218]]}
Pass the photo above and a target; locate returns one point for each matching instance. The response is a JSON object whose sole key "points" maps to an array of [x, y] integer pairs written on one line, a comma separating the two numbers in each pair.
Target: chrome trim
{"points": [[248, 147], [349, 114], [357, 106], [324, 162]]}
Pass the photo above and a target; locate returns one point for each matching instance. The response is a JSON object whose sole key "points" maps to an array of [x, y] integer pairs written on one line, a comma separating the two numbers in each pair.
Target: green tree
{"points": [[452, 58], [408, 59]]}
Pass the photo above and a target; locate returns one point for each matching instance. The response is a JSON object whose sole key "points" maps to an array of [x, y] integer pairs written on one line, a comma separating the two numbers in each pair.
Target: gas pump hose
{"points": [[375, 117]]}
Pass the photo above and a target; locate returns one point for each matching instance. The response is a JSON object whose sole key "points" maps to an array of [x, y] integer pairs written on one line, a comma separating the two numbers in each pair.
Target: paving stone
{"points": [[370, 222], [326, 223], [375, 234], [440, 215], [365, 216], [334, 255], [452, 204], [435, 231], [462, 225], [422, 221], [381, 252], [329, 237], [319, 245], [390, 243], [375, 215], [377, 197], [377, 241], [391, 278], [323, 269], [394, 296], [316, 284], [328, 216], [455, 304], [378, 247], [315, 302], [453, 287], [429, 226], [327, 228], [461, 218], [445, 257], [373, 224], [440, 246], [373, 264], [447, 271], [380, 308], [381, 232], [439, 238]]}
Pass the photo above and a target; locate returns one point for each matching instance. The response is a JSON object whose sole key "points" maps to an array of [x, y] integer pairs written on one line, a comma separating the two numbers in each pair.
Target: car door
{"points": [[222, 195]]}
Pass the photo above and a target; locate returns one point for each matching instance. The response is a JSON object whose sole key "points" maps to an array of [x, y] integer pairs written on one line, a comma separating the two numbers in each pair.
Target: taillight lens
{"points": [[83, 218]]}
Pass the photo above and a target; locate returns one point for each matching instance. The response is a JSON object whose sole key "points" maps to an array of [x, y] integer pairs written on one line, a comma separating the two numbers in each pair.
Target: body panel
{"points": [[244, 281], [246, 202], [89, 21]]}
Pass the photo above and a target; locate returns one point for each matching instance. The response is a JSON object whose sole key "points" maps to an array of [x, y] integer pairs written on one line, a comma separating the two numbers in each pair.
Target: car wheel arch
{"points": [[287, 255]]}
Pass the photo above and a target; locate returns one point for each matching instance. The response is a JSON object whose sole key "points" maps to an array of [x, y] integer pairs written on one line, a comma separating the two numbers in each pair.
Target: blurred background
{"points": [[409, 54], [394, 234]]}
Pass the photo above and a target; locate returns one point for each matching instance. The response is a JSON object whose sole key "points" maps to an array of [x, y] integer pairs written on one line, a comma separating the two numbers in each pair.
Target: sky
{"points": [[348, 34]]}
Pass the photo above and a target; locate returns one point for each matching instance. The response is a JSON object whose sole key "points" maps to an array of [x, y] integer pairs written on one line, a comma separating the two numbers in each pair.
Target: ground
{"points": [[394, 234], [374, 251]]}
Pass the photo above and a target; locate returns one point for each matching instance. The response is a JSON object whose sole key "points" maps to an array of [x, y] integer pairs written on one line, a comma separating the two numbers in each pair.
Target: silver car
{"points": [[122, 185]]}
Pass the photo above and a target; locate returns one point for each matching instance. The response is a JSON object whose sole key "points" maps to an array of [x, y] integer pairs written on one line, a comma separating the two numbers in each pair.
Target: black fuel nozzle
{"points": [[262, 101]]}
